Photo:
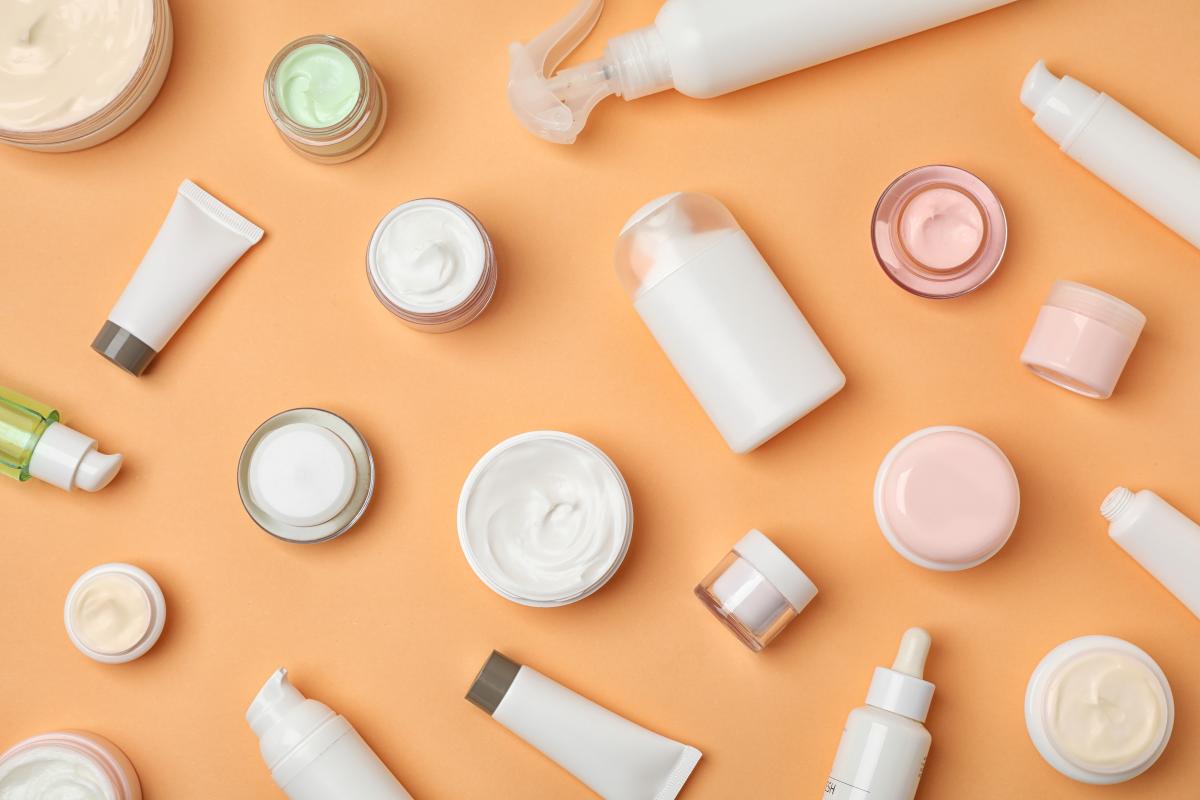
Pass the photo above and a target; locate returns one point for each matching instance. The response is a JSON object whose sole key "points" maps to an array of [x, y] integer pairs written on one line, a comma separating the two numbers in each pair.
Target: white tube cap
{"points": [[901, 689], [781, 571], [302, 474], [66, 458]]}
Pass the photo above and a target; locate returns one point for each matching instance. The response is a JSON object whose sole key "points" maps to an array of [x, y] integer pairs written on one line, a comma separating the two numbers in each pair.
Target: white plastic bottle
{"points": [[314, 753], [1160, 538], [722, 317], [883, 748], [704, 48], [1119, 147]]}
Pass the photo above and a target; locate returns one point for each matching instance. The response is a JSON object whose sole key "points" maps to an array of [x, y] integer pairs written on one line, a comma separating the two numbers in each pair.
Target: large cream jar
{"points": [[545, 518], [75, 73]]}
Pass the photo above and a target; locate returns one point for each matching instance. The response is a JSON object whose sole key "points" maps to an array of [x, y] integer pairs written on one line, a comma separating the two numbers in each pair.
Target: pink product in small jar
{"points": [[946, 498], [1082, 339], [939, 231], [75, 764]]}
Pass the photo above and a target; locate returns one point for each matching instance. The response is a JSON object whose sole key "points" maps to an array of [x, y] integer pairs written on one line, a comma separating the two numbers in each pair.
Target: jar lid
{"points": [[781, 571]]}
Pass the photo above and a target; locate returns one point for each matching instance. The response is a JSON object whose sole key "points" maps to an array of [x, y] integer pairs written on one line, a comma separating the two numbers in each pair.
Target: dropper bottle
{"points": [[884, 744], [34, 444]]}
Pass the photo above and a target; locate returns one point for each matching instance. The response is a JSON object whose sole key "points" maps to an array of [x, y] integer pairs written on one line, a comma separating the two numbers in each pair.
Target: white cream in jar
{"points": [[53, 772], [63, 60], [545, 518]]}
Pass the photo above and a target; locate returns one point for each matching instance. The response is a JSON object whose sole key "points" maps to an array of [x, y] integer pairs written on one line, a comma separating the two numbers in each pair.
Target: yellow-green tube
{"points": [[23, 420]]}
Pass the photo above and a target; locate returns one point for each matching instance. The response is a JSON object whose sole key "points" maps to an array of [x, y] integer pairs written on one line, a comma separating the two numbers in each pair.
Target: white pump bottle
{"points": [[313, 752], [883, 748], [704, 48]]}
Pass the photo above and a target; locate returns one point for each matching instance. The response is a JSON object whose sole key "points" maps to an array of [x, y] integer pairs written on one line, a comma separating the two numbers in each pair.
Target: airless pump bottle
{"points": [[34, 444], [884, 745], [703, 48], [1118, 147]]}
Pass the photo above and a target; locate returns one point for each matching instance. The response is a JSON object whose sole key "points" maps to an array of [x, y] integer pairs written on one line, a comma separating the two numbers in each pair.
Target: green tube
{"points": [[23, 420]]}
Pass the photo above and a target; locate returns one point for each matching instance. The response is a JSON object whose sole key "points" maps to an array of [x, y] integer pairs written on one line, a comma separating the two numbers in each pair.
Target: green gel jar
{"points": [[326, 101]]}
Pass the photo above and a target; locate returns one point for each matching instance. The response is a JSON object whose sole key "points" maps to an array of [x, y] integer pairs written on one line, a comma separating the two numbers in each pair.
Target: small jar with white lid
{"points": [[325, 99], [431, 263], [75, 764], [86, 71], [306, 475], [115, 613], [1099, 710], [756, 590]]}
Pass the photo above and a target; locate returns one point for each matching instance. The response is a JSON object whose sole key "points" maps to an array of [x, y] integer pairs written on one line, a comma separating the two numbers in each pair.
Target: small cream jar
{"points": [[545, 518], [756, 590], [431, 263], [306, 475], [1099, 710], [115, 613]]}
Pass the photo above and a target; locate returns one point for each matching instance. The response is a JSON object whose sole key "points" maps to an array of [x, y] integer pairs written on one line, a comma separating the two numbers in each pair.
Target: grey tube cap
{"points": [[492, 682], [123, 348]]}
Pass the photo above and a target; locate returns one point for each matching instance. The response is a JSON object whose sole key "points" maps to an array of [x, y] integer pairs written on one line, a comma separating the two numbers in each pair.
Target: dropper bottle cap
{"points": [[66, 458], [902, 689]]}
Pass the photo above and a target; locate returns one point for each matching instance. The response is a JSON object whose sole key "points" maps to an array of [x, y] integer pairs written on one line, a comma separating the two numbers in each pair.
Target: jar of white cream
{"points": [[114, 613], [67, 764], [430, 262], [1099, 710], [75, 73], [545, 518]]}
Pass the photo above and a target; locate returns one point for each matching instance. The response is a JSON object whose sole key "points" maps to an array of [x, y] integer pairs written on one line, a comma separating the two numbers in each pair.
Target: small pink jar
{"points": [[107, 767], [1082, 339]]}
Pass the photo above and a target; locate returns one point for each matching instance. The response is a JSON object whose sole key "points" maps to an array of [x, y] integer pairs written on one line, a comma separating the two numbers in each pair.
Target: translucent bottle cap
{"points": [[1100, 306]]}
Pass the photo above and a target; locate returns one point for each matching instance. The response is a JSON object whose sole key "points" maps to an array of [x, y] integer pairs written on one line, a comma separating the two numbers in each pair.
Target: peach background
{"points": [[387, 624]]}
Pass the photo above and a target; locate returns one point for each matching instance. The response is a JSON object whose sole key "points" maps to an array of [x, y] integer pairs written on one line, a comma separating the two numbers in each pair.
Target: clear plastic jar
{"points": [[349, 137], [123, 110], [95, 760]]}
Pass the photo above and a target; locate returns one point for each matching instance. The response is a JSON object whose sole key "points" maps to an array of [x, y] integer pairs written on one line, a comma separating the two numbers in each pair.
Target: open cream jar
{"points": [[545, 518], [67, 765], [114, 613]]}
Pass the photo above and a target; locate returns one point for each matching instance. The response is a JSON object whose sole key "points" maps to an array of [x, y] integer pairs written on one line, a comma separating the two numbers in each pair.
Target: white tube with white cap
{"points": [[615, 758], [1160, 538], [1119, 147], [884, 744], [313, 752]]}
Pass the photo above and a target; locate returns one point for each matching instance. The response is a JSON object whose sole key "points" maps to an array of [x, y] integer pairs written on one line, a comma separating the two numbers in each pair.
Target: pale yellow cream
{"points": [[111, 613]]}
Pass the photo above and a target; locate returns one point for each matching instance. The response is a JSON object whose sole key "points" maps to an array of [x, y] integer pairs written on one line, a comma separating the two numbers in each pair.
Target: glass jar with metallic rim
{"points": [[352, 134]]}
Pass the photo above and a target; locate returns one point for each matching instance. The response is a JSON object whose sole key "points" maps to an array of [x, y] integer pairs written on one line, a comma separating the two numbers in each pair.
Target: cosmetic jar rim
{"points": [[1035, 707], [880, 504], [153, 594], [444, 320], [965, 279], [156, 57], [476, 474], [109, 759], [364, 462]]}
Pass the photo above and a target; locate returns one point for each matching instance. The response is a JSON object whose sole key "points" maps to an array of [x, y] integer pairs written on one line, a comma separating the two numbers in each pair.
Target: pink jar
{"points": [[1082, 339], [66, 760]]}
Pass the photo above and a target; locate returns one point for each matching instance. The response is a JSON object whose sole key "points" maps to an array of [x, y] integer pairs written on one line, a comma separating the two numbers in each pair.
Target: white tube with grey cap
{"points": [[1119, 147], [615, 758]]}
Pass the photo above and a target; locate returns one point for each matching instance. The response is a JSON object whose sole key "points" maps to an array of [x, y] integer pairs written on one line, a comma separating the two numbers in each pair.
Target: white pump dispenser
{"points": [[703, 48], [314, 753], [883, 748]]}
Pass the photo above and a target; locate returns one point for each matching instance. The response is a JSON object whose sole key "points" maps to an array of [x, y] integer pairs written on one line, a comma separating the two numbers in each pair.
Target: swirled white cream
{"points": [[428, 255], [52, 772], [547, 517], [1106, 710], [64, 60]]}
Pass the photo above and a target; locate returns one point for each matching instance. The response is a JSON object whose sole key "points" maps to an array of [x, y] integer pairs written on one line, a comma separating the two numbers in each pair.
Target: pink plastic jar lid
{"points": [[946, 498], [1082, 339]]}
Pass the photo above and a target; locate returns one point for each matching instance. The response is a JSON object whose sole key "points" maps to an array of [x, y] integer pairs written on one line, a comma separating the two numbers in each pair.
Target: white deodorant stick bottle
{"points": [[313, 752], [1160, 538], [885, 742], [722, 317], [1119, 147]]}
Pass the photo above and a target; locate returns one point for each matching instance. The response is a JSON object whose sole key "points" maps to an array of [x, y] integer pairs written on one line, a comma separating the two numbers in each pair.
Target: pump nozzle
{"points": [[273, 701], [914, 649]]}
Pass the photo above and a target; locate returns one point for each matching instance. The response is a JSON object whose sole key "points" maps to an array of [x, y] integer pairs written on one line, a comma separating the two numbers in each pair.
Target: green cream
{"points": [[317, 85]]}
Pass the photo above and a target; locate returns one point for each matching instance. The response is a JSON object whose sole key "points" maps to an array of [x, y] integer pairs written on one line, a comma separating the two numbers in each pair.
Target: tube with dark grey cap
{"points": [[614, 757], [198, 242]]}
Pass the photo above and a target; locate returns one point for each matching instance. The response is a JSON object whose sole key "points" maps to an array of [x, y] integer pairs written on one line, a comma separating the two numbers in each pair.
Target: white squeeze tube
{"points": [[1160, 538], [199, 241], [612, 756], [314, 753], [703, 48], [1119, 147]]}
